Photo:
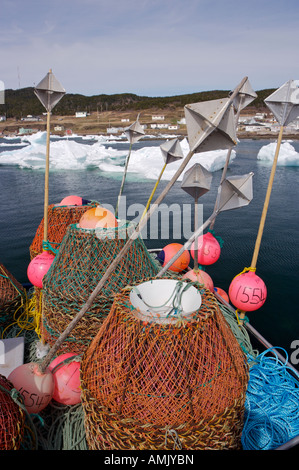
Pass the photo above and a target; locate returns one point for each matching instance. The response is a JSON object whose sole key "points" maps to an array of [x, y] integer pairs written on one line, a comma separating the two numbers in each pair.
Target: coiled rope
{"points": [[271, 407]]}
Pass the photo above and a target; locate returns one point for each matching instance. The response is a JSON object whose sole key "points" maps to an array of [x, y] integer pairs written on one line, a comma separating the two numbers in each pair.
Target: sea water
{"points": [[92, 167]]}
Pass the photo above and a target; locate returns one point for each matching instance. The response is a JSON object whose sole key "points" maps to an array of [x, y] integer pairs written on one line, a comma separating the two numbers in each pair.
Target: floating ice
{"points": [[67, 154], [287, 154]]}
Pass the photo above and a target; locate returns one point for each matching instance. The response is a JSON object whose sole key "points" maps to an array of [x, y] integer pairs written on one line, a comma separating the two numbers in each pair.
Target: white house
{"points": [[81, 114], [158, 118]]}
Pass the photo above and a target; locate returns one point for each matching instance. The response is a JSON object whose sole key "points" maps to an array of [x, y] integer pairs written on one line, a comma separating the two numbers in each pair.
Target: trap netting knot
{"points": [[82, 260], [59, 218], [12, 418], [144, 374], [12, 298]]}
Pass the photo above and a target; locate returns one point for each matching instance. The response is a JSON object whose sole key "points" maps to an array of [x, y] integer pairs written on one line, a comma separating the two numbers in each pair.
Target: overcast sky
{"points": [[149, 47]]}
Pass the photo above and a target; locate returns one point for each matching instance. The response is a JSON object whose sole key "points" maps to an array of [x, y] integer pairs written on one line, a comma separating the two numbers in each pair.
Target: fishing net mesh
{"points": [[79, 265], [147, 385], [59, 218], [11, 297], [12, 418]]}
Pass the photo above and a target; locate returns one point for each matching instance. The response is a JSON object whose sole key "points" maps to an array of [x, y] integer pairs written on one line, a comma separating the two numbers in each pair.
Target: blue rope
{"points": [[271, 407]]}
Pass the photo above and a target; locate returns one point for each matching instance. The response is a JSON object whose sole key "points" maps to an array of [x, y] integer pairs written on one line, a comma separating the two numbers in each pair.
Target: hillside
{"points": [[21, 102]]}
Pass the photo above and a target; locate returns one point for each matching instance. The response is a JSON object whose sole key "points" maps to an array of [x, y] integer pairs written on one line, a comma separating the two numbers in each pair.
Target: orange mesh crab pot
{"points": [[83, 258], [11, 297], [59, 218], [12, 418], [150, 383]]}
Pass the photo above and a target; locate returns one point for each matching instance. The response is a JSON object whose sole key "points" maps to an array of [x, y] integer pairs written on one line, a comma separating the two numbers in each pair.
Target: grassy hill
{"points": [[21, 102]]}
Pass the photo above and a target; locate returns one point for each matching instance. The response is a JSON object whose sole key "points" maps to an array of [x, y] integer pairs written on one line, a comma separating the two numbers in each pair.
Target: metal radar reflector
{"points": [[134, 132], [284, 102], [196, 181], [235, 192], [49, 91], [210, 125], [171, 150]]}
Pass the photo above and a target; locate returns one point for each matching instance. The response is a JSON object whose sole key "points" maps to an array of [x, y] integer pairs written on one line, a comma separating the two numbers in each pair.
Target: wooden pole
{"points": [[264, 213], [266, 203], [44, 364], [123, 180], [153, 192], [224, 171], [196, 238], [46, 196]]}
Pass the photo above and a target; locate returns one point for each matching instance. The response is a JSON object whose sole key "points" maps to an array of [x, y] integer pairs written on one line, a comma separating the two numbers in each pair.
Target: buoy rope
{"points": [[271, 406], [245, 270], [47, 246]]}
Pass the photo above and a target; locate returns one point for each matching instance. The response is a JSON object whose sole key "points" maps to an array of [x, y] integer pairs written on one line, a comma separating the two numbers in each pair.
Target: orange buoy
{"points": [[38, 268], [222, 293], [71, 201], [98, 217], [66, 379], [169, 251], [208, 249], [200, 276], [35, 386], [247, 292]]}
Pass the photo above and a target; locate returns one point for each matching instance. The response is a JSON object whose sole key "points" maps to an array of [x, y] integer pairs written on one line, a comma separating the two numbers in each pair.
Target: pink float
{"points": [[35, 387], [247, 292], [208, 249], [71, 201], [169, 251], [200, 276], [66, 379], [39, 267]]}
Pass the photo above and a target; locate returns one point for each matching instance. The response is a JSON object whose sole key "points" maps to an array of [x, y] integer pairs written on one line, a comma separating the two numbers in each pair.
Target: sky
{"points": [[149, 47]]}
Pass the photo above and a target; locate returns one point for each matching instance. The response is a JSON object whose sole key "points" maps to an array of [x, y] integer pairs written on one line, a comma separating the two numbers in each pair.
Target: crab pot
{"points": [[59, 218], [11, 297], [83, 258], [155, 380], [12, 418]]}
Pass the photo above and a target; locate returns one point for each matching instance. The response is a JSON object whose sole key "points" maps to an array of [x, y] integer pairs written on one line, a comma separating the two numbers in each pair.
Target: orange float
{"points": [[222, 293], [169, 251], [98, 217], [66, 379]]}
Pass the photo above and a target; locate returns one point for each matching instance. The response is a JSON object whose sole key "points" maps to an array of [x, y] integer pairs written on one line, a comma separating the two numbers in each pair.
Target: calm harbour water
{"points": [[22, 194]]}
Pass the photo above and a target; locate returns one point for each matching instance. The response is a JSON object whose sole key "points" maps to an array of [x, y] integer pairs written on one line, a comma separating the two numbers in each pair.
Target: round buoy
{"points": [[98, 217], [39, 267], [222, 293], [169, 251], [208, 249], [66, 379], [247, 292], [71, 201], [200, 276], [35, 387]]}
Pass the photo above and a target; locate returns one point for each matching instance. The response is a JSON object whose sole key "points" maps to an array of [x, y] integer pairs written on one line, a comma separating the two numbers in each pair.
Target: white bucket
{"points": [[165, 301]]}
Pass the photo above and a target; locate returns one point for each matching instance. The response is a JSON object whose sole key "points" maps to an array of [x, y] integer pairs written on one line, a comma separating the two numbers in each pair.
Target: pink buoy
{"points": [[222, 293], [71, 201], [247, 292], [35, 386], [39, 267], [200, 276], [66, 380], [208, 249], [169, 251]]}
